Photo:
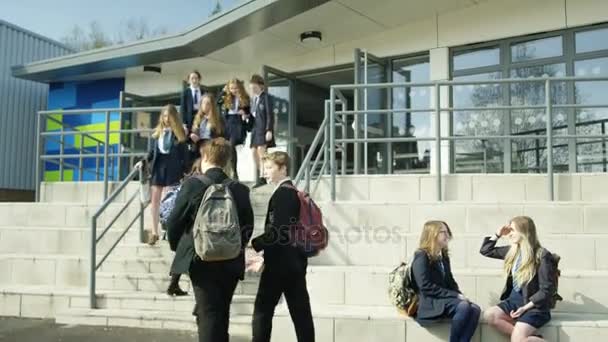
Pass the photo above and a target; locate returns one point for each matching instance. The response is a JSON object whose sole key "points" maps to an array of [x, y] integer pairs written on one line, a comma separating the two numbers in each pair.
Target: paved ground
{"points": [[33, 330]]}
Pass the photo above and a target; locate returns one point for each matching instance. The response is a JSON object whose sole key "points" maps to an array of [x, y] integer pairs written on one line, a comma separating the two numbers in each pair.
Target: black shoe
{"points": [[260, 182], [176, 291]]}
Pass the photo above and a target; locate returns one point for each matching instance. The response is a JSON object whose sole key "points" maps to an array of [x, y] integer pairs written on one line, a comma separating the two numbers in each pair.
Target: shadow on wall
{"points": [[584, 304]]}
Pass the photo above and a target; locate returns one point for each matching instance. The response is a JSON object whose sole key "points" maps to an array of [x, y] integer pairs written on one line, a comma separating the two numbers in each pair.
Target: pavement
{"points": [[36, 330]]}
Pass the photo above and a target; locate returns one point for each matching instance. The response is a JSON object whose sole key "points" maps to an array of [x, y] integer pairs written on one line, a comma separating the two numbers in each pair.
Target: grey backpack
{"points": [[216, 230]]}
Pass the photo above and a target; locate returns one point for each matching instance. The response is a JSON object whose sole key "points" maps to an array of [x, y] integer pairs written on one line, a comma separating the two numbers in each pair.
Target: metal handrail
{"points": [[94, 265], [105, 155], [437, 109]]}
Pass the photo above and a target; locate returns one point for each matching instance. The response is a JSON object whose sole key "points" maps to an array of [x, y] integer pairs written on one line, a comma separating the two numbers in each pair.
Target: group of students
{"points": [[178, 137], [214, 282], [209, 138], [529, 294]]}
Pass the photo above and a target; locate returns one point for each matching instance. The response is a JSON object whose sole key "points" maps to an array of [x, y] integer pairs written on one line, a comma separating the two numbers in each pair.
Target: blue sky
{"points": [[54, 18]]}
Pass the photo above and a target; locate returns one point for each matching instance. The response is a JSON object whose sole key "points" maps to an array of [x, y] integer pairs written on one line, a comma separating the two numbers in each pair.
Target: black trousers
{"points": [[213, 294], [273, 283]]}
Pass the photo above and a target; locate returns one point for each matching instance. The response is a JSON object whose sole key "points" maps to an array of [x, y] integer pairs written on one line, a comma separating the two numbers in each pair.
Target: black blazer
{"points": [[435, 291], [186, 107], [264, 117], [180, 222], [283, 211], [177, 156], [541, 289]]}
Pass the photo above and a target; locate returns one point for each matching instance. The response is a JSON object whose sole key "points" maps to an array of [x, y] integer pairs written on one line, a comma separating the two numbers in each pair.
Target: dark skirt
{"points": [[258, 136], [533, 317], [164, 174], [235, 131]]}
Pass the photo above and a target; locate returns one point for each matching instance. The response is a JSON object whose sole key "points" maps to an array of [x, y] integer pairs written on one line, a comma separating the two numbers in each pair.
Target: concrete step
{"points": [[343, 323], [583, 291], [481, 188], [47, 301]]}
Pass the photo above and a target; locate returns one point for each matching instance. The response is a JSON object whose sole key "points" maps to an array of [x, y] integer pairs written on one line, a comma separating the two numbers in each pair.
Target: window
{"points": [[547, 55]]}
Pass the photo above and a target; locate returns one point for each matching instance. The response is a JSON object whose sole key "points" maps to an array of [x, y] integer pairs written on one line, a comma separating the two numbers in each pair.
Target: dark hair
{"points": [[257, 79], [193, 72]]}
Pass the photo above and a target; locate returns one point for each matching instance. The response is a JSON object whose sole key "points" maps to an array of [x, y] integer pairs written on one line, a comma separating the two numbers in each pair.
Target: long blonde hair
{"points": [[175, 123], [529, 247], [428, 239], [229, 98], [214, 121]]}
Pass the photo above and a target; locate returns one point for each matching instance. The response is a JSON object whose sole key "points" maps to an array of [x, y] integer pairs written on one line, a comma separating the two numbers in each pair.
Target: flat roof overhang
{"points": [[225, 29]]}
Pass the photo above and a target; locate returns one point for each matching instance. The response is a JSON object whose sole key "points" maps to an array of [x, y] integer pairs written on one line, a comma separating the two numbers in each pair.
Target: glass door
{"points": [[281, 87], [375, 156]]}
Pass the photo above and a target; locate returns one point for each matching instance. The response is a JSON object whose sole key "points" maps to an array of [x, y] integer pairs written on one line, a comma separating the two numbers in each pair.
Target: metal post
{"points": [[142, 237], [344, 155], [307, 175], [105, 157], [93, 265], [549, 138], [326, 140], [365, 151], [61, 142], [39, 163], [332, 141], [438, 139], [97, 162], [80, 160], [357, 146]]}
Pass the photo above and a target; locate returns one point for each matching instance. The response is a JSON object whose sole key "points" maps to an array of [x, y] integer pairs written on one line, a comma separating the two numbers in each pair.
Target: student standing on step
{"points": [[284, 264], [214, 282], [262, 134], [208, 123], [189, 106], [167, 158], [235, 107], [530, 290], [438, 293]]}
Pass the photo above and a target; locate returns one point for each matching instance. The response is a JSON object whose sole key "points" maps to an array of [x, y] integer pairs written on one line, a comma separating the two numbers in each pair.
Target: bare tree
{"points": [[133, 29]]}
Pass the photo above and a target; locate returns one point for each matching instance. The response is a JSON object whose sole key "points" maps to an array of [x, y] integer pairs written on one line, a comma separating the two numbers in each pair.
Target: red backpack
{"points": [[309, 234]]}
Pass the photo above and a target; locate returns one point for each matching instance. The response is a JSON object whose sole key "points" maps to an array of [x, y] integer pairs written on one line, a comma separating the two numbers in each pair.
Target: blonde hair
{"points": [[529, 247], [280, 158], [175, 123], [228, 98], [428, 239], [214, 122]]}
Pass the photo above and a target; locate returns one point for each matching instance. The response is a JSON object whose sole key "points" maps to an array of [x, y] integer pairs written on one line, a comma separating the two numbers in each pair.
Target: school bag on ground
{"points": [[168, 203], [309, 234], [401, 289], [216, 230]]}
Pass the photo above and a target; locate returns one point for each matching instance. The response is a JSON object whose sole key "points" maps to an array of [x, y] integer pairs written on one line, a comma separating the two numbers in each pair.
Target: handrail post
{"points": [[39, 162], [142, 237], [438, 139], [307, 175], [549, 139], [105, 156], [61, 150], [97, 162], [93, 265], [80, 160], [332, 141]]}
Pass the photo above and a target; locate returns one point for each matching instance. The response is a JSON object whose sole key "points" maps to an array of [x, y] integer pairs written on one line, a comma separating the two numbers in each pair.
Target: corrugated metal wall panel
{"points": [[19, 102]]}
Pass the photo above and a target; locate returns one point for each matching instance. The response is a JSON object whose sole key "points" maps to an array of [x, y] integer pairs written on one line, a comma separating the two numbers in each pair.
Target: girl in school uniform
{"points": [[166, 157], [262, 134], [530, 288], [235, 107], [208, 124], [438, 293]]}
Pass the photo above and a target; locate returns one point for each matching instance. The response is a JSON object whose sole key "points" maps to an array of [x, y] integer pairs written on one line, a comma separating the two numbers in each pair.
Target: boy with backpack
{"points": [[288, 240], [208, 228]]}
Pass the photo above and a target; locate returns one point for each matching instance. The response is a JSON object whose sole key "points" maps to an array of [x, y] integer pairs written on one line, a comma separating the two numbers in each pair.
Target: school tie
{"points": [[167, 141], [195, 97], [516, 266]]}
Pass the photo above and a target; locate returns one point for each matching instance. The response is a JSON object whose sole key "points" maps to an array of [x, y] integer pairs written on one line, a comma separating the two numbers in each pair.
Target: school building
{"points": [[396, 112]]}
